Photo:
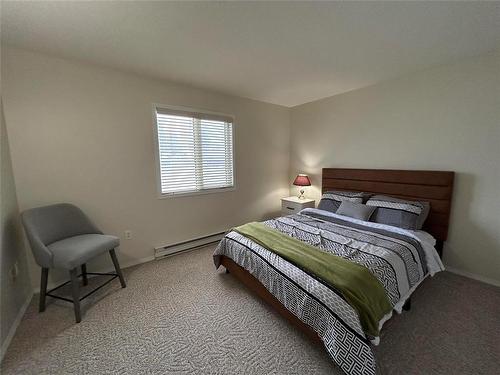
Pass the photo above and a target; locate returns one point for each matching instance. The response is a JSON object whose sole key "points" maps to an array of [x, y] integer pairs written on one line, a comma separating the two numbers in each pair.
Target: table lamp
{"points": [[302, 180]]}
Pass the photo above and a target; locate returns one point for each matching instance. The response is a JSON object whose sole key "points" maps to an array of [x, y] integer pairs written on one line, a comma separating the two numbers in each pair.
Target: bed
{"points": [[399, 259]]}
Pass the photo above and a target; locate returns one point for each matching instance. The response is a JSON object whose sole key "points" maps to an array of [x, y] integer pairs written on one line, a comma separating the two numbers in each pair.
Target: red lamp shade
{"points": [[302, 180]]}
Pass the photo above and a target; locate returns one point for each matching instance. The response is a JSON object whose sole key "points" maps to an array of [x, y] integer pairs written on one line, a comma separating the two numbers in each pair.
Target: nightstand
{"points": [[292, 205]]}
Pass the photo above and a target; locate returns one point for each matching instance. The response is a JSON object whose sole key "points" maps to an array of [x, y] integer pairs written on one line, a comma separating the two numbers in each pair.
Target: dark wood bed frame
{"points": [[435, 187]]}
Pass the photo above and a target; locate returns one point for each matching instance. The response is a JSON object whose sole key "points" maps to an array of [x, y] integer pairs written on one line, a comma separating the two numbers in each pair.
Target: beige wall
{"points": [[446, 118], [14, 292], [84, 134]]}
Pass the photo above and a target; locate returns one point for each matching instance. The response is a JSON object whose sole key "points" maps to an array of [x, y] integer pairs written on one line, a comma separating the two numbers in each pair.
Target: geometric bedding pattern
{"points": [[412, 207], [331, 317], [397, 261]]}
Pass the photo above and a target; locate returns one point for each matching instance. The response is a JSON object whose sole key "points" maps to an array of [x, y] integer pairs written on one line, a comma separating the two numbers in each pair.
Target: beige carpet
{"points": [[179, 316]]}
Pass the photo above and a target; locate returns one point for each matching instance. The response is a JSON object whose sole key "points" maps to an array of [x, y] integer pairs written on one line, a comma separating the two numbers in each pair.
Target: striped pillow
{"points": [[331, 200], [398, 212]]}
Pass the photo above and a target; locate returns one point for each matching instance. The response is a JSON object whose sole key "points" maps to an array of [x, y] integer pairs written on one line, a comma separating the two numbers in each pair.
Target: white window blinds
{"points": [[195, 151]]}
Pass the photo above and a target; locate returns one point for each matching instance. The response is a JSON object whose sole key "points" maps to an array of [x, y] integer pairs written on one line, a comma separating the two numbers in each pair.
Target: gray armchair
{"points": [[62, 236]]}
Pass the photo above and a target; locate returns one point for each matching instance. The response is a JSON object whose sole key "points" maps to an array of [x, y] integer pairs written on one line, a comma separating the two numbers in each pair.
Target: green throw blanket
{"points": [[356, 283]]}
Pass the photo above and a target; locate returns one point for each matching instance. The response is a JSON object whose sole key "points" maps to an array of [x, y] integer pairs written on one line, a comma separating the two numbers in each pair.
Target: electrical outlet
{"points": [[128, 234], [14, 271]]}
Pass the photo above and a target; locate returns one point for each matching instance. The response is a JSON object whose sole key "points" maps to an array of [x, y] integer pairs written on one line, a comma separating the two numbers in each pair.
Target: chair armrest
{"points": [[42, 254]]}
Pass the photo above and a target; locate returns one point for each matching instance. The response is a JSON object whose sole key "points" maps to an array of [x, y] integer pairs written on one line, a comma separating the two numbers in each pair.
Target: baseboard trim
{"points": [[474, 276], [132, 263], [192, 244], [13, 328]]}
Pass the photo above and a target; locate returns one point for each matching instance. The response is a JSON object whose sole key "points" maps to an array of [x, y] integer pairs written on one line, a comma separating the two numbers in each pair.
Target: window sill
{"points": [[193, 193]]}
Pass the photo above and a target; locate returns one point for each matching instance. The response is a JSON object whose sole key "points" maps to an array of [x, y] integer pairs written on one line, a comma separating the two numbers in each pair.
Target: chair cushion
{"points": [[74, 251]]}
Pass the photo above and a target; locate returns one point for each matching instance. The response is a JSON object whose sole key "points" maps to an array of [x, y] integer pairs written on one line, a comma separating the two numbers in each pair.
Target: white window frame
{"points": [[161, 195]]}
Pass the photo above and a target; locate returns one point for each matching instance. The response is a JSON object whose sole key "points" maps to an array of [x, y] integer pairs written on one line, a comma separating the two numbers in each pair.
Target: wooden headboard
{"points": [[435, 187]]}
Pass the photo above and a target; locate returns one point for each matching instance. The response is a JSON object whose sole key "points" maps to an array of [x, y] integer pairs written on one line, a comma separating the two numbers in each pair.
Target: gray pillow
{"points": [[330, 201], [399, 212], [423, 216], [356, 210]]}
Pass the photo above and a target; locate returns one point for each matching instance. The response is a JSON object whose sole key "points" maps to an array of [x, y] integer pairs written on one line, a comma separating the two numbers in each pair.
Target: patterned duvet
{"points": [[399, 259]]}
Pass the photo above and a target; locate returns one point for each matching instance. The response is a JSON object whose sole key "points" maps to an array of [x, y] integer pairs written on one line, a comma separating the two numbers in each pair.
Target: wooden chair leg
{"points": [[76, 293], [84, 274], [117, 267], [43, 289]]}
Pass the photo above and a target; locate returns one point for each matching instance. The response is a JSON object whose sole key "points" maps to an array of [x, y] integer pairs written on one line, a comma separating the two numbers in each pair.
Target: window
{"points": [[195, 151]]}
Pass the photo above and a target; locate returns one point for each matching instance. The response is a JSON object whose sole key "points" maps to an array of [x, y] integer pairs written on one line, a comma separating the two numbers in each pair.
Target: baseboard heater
{"points": [[168, 250]]}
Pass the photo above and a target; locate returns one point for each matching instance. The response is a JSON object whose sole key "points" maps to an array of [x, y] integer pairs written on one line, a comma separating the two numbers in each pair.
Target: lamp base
{"points": [[301, 195]]}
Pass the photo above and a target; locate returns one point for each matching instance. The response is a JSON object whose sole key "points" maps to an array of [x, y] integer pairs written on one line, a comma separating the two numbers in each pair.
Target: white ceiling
{"points": [[286, 53]]}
